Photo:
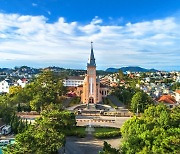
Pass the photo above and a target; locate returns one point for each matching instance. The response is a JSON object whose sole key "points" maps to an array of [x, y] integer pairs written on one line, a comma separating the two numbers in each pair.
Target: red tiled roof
{"points": [[23, 80], [178, 91], [167, 99], [103, 85]]}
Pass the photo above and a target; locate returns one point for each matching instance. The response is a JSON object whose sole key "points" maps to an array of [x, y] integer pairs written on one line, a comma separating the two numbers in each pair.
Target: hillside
{"points": [[131, 69]]}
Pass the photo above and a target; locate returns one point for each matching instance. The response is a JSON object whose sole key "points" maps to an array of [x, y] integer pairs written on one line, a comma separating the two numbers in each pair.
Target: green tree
{"points": [[13, 90], [155, 132], [140, 101], [124, 94], [17, 124], [48, 87], [47, 135], [107, 149], [6, 108], [15, 94], [45, 89], [121, 75], [21, 96], [19, 108], [175, 86]]}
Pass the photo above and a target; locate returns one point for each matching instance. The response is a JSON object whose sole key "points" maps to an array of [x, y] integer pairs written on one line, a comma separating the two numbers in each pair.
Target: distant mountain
{"points": [[131, 69], [5, 69], [25, 70]]}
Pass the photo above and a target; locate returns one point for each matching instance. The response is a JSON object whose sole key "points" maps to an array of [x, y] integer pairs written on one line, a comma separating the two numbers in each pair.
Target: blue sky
{"points": [[42, 33]]}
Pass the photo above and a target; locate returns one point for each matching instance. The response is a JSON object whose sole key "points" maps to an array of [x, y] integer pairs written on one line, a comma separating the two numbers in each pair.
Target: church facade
{"points": [[92, 91]]}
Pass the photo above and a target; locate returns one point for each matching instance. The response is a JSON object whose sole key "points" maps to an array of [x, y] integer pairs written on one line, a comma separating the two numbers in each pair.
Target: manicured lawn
{"points": [[103, 130], [97, 129], [80, 131], [104, 133], [77, 131]]}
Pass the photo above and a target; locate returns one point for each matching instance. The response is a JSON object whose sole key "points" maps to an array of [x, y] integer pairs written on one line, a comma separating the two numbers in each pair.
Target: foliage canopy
{"points": [[157, 131]]}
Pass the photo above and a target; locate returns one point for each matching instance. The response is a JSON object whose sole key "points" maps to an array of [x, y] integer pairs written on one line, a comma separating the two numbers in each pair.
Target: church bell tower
{"points": [[90, 88]]}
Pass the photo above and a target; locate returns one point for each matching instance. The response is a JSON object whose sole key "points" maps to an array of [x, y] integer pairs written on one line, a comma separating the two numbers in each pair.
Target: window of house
{"points": [[171, 106]]}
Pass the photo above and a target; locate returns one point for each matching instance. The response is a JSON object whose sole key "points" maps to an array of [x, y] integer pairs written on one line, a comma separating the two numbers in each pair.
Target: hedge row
{"points": [[104, 135]]}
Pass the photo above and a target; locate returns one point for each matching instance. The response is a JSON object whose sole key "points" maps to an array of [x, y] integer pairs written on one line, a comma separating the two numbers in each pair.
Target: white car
{"points": [[4, 142]]}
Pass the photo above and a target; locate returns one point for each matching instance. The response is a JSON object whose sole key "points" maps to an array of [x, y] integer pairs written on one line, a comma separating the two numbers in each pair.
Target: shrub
{"points": [[107, 149]]}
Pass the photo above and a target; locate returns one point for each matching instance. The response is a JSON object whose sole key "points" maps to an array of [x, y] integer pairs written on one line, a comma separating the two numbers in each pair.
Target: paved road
{"points": [[82, 146], [88, 145]]}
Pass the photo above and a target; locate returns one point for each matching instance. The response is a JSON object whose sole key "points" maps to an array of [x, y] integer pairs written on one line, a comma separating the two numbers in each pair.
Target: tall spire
{"points": [[91, 61]]}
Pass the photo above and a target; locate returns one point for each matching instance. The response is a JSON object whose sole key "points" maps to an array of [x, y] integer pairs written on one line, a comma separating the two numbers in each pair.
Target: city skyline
{"points": [[58, 33]]}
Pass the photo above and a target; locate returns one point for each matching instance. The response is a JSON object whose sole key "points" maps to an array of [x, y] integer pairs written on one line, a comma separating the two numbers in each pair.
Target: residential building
{"points": [[4, 86], [168, 100], [22, 82], [73, 81]]}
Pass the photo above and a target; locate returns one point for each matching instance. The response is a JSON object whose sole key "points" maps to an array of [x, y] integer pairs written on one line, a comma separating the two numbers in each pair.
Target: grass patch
{"points": [[106, 135], [105, 129], [103, 133], [100, 132]]}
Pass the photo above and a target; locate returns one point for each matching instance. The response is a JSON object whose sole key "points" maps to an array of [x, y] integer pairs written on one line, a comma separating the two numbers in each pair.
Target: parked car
{"points": [[6, 130], [4, 142]]}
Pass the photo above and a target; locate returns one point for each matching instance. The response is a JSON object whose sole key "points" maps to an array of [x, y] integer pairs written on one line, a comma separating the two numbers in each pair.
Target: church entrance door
{"points": [[91, 100]]}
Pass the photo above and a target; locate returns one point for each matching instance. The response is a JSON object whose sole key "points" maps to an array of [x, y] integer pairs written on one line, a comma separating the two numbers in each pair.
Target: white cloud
{"points": [[34, 4], [32, 39], [92, 27], [96, 20], [150, 27]]}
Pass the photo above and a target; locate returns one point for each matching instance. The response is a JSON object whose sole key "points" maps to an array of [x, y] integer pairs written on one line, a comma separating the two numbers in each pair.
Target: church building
{"points": [[92, 91]]}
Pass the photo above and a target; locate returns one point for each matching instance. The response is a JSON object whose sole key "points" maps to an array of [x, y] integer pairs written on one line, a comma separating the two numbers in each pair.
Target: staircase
{"points": [[91, 107]]}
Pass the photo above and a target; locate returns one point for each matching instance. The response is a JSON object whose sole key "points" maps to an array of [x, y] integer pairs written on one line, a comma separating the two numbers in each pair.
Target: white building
{"points": [[177, 95], [4, 87], [73, 81], [147, 79], [157, 93], [178, 79], [22, 82]]}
